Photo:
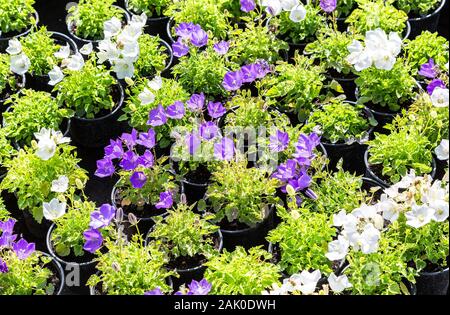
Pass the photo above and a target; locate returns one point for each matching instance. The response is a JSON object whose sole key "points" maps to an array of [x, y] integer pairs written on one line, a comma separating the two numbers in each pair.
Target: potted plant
{"points": [[297, 26], [155, 56], [96, 98], [86, 20], [423, 15], [188, 239], [17, 18], [306, 81], [373, 14], [241, 272], [242, 11], [50, 164], [156, 20], [242, 200], [344, 128], [10, 83], [25, 271], [7, 151], [209, 14], [42, 48], [29, 112]]}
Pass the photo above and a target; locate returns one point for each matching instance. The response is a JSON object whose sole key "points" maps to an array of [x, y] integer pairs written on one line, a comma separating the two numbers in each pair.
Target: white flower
{"points": [[394, 43], [61, 184], [74, 62], [130, 51], [123, 69], [112, 27], [338, 284], [308, 281], [384, 60], [20, 64], [130, 34], [156, 83], [442, 151], [139, 20], [439, 98], [273, 6], [54, 209], [86, 49], [56, 75], [376, 40], [440, 210], [369, 239], [146, 97], [107, 51], [338, 249], [340, 218], [389, 208], [14, 47], [359, 57], [46, 148], [289, 5], [297, 14], [434, 193], [63, 52], [419, 216]]}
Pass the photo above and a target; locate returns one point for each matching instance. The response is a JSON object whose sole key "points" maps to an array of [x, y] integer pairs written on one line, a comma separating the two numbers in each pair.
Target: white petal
{"points": [[19, 64], [14, 47], [86, 49], [56, 75], [63, 52]]}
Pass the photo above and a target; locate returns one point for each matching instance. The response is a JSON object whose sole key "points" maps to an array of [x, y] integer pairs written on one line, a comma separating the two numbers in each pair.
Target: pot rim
{"points": [[429, 15], [434, 273], [21, 85], [131, 12], [234, 232], [26, 32], [60, 271]]}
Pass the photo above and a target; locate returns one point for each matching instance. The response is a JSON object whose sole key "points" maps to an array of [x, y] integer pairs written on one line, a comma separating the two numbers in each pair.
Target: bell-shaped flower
{"points": [[54, 209]]}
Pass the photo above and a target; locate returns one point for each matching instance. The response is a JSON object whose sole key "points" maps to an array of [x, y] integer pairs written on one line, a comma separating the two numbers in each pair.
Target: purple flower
{"points": [[249, 73], [286, 171], [279, 142], [129, 139], [305, 147], [114, 150], [176, 110], [222, 47], [129, 161], [180, 49], [224, 150], [184, 30], [428, 69], [147, 139], [311, 194], [199, 38], [247, 5], [3, 266], [328, 5], [209, 130], [435, 84], [7, 226], [102, 217], [193, 142], [105, 168], [196, 102], [216, 110], [262, 69], [138, 180], [23, 249], [146, 160], [93, 240], [157, 116], [165, 200], [7, 239], [300, 183], [156, 291], [232, 81], [202, 287]]}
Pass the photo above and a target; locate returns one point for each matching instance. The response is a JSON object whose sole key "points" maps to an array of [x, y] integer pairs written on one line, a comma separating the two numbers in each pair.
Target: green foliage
{"points": [[89, 16], [339, 122], [30, 112], [183, 233], [425, 46], [373, 14], [8, 80], [380, 273], [303, 31], [130, 268], [209, 14], [153, 56], [88, 91], [242, 273], [418, 7], [254, 43], [345, 7], [237, 15], [16, 15], [40, 47], [296, 86], [399, 152], [331, 49], [30, 177], [393, 89], [27, 276], [152, 8], [302, 239], [4, 213], [202, 71], [241, 194], [6, 150], [67, 237]]}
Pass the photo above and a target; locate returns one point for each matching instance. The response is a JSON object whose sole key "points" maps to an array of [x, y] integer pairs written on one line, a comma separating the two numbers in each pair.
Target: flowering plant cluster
{"points": [[16, 15]]}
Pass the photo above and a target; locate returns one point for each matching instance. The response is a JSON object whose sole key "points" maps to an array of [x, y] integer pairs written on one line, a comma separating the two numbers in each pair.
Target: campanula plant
{"points": [[16, 15]]}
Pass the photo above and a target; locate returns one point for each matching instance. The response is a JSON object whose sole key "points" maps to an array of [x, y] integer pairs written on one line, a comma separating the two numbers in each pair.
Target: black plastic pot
{"points": [[56, 268], [4, 39], [433, 283], [194, 191], [6, 95], [348, 85], [371, 174], [86, 269], [170, 24], [250, 236], [96, 132], [40, 82], [83, 41], [427, 22], [35, 229]]}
